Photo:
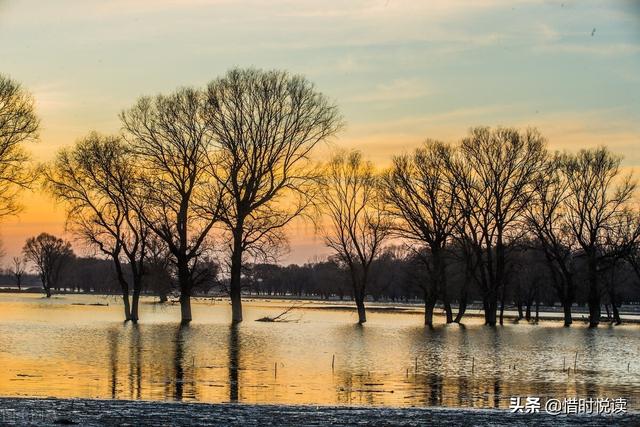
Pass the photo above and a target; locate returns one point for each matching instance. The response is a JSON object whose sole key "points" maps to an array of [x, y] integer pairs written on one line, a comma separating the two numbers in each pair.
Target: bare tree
{"points": [[494, 171], [547, 218], [597, 203], [357, 224], [265, 124], [49, 254], [421, 196], [18, 269], [181, 202], [18, 124], [96, 180]]}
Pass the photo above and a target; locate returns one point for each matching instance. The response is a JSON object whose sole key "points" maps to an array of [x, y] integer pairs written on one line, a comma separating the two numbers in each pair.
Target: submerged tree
{"points": [[597, 203], [494, 171], [18, 124], [265, 124], [180, 200], [50, 255], [421, 195], [96, 180], [357, 225], [548, 220]]}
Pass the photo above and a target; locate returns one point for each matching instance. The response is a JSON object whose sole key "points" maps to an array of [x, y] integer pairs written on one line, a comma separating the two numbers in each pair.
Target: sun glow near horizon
{"points": [[400, 71]]}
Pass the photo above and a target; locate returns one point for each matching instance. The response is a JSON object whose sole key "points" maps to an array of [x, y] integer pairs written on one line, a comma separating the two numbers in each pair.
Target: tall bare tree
{"points": [[421, 195], [18, 124], [357, 225], [181, 202], [547, 218], [96, 179], [265, 124], [597, 203], [494, 170], [50, 255]]}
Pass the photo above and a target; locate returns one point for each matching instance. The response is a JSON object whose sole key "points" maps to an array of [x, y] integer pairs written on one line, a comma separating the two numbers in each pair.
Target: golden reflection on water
{"points": [[56, 348]]}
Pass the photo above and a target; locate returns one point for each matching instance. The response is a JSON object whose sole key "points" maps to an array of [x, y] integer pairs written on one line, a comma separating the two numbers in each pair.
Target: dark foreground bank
{"points": [[55, 412]]}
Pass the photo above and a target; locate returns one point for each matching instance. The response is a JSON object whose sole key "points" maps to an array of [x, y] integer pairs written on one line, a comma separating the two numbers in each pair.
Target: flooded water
{"points": [[64, 347]]}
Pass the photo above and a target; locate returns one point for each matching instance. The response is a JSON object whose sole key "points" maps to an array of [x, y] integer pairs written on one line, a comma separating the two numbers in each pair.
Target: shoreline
{"points": [[92, 412]]}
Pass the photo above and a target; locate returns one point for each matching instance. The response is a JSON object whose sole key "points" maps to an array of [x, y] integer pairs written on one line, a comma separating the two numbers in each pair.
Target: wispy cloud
{"points": [[602, 49], [396, 90], [51, 97]]}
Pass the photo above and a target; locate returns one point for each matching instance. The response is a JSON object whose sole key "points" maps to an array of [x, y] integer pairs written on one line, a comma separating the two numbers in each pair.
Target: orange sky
{"points": [[400, 71]]}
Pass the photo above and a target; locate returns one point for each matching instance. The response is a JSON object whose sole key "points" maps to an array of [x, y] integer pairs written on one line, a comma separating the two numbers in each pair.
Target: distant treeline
{"points": [[398, 275]]}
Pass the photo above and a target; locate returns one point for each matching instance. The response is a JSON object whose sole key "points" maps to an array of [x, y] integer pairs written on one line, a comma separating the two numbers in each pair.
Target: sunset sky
{"points": [[400, 71]]}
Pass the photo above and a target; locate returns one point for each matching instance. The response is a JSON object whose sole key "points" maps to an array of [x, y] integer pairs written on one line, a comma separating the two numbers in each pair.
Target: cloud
{"points": [[396, 90], [604, 49], [547, 33], [51, 97]]}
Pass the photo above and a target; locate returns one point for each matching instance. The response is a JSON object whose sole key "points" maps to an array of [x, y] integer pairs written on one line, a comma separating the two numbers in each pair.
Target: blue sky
{"points": [[401, 71]]}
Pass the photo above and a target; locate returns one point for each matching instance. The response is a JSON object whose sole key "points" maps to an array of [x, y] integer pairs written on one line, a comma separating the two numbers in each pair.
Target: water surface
{"points": [[59, 348]]}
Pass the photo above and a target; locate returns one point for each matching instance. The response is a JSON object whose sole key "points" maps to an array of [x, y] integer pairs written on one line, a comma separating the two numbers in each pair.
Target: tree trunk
{"points": [[520, 312], [616, 315], [614, 307], [185, 290], [594, 293], [124, 286], [441, 284], [429, 304], [185, 306], [462, 307], [134, 304], [485, 306], [567, 312], [462, 302], [499, 282], [568, 297], [127, 307], [492, 308], [236, 277], [362, 315], [447, 309], [502, 297]]}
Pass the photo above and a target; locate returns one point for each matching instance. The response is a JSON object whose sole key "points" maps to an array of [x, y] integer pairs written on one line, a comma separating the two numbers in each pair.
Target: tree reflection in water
{"points": [[234, 361], [72, 355]]}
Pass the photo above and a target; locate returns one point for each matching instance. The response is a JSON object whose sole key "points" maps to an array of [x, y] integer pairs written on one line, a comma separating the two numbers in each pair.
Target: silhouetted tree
{"points": [[265, 124], [181, 201], [96, 180], [357, 225], [494, 171], [18, 124], [597, 200], [421, 196], [49, 254], [548, 220]]}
